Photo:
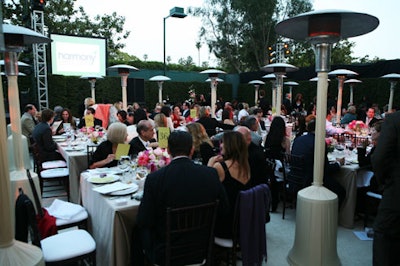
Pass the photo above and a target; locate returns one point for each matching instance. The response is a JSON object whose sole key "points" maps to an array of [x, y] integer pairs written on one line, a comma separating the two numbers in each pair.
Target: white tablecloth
{"points": [[76, 163], [110, 225]]}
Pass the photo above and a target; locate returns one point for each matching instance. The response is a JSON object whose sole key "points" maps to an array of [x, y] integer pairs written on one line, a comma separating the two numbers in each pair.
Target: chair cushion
{"points": [[83, 215], [223, 242], [54, 164], [67, 245], [54, 173]]}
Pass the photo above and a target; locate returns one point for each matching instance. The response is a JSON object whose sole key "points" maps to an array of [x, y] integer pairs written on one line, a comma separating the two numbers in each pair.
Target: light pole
{"points": [[279, 69], [341, 75], [393, 78], [316, 204], [160, 80], [176, 12], [92, 80], [352, 83], [14, 252], [256, 84], [213, 75], [123, 72]]}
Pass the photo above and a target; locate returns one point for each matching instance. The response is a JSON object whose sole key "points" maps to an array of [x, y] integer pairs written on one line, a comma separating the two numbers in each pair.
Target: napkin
{"points": [[111, 187], [64, 210]]}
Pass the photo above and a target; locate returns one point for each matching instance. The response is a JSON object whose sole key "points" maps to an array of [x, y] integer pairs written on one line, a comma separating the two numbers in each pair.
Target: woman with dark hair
{"points": [[234, 173], [277, 141], [66, 118], [227, 116], [298, 104], [300, 125]]}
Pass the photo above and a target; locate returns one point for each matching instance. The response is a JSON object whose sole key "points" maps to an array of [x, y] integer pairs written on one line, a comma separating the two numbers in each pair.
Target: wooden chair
{"points": [[60, 174], [246, 227], [90, 149], [190, 234], [293, 179]]}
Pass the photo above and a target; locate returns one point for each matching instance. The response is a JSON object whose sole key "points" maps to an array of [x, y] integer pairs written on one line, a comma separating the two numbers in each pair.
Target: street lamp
{"points": [[176, 12], [341, 75], [317, 204], [92, 80], [279, 69], [352, 83], [393, 78], [14, 252], [160, 80], [213, 75], [123, 72], [256, 84]]}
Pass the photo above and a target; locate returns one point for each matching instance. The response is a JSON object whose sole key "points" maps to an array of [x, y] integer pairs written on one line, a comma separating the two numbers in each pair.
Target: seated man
{"points": [[97, 122], [181, 183], [42, 134], [304, 146], [28, 122], [145, 138]]}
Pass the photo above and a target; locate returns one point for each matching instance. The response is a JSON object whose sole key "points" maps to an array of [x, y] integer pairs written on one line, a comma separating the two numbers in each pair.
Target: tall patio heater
{"points": [[13, 252], [316, 222]]}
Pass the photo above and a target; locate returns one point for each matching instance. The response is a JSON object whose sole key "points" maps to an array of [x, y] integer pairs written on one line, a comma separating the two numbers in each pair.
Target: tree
{"points": [[238, 32], [145, 56], [198, 46], [61, 17]]}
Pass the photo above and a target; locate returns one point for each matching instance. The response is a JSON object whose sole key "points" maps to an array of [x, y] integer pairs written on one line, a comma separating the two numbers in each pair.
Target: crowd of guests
{"points": [[232, 147]]}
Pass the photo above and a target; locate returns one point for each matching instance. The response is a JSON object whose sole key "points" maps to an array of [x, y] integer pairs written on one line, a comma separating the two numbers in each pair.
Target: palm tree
{"points": [[198, 46]]}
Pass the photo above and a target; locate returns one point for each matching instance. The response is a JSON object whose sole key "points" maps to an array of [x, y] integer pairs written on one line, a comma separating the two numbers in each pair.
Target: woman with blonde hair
{"points": [[104, 156], [234, 173], [203, 146]]}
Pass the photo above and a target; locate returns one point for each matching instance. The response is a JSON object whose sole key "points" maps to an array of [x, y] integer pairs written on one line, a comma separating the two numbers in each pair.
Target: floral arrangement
{"points": [[357, 126], [153, 159], [94, 135], [330, 143]]}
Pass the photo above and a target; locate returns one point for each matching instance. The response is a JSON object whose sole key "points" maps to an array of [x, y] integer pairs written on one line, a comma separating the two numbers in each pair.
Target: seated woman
{"points": [[234, 173], [66, 117], [97, 122], [203, 146], [104, 156]]}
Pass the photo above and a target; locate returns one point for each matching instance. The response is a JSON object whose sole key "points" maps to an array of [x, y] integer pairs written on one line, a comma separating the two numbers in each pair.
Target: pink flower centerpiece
{"points": [[358, 127], [153, 159]]}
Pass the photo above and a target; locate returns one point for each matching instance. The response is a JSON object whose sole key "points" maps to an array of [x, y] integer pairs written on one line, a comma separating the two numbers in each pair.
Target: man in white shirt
{"points": [[370, 120], [331, 129]]}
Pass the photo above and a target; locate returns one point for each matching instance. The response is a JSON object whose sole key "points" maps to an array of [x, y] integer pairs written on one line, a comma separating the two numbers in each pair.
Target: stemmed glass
{"points": [[124, 164]]}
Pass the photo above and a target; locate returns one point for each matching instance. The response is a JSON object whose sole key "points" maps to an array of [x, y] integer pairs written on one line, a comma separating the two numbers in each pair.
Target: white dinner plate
{"points": [[59, 138], [74, 149], [109, 178], [127, 191]]}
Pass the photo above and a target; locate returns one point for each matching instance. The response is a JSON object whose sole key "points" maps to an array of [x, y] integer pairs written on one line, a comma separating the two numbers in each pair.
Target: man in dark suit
{"points": [[370, 119], [42, 135], [385, 162], [186, 109], [181, 183], [304, 146], [96, 122], [145, 138]]}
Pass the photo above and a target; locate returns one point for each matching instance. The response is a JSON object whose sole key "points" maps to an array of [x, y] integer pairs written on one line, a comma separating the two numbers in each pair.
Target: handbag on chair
{"points": [[45, 222]]}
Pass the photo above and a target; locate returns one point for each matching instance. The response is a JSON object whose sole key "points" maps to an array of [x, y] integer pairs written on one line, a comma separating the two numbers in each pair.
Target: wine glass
{"points": [[124, 165]]}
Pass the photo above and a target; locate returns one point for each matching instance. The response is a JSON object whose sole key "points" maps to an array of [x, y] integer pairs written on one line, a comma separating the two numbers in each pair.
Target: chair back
{"points": [[253, 212], [190, 234], [37, 160], [90, 149]]}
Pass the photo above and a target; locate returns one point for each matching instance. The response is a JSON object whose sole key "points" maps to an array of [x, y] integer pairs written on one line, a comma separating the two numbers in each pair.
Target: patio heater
{"points": [[317, 224], [291, 84], [393, 78], [160, 80], [272, 78], [92, 80], [13, 252], [341, 75], [123, 72], [279, 69], [256, 84], [352, 83], [213, 76]]}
